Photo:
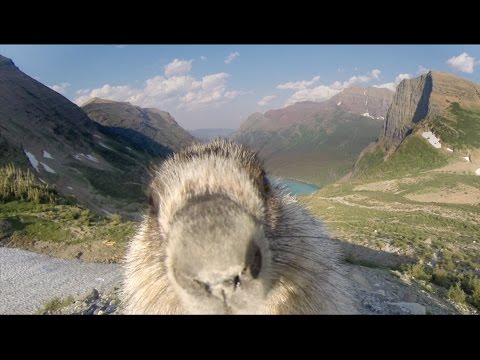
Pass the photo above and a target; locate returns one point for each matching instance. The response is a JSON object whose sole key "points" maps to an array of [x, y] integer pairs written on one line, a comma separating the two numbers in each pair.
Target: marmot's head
{"points": [[215, 210]]}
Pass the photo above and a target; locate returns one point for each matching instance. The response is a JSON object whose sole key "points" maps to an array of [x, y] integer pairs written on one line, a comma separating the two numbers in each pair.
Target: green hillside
{"points": [[431, 217], [318, 153], [34, 216], [412, 157], [459, 128]]}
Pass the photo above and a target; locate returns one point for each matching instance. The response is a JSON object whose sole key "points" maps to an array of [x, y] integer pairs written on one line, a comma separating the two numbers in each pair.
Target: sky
{"points": [[219, 86]]}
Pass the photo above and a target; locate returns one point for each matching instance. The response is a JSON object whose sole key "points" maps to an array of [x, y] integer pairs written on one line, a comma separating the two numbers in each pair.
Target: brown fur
{"points": [[300, 273]]}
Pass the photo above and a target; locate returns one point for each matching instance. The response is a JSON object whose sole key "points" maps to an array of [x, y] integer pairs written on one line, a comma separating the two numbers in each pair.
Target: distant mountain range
{"points": [[317, 142], [64, 147], [84, 151], [209, 134]]}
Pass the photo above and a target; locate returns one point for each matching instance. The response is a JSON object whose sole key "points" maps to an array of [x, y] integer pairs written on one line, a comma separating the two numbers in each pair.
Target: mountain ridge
{"points": [[42, 130], [316, 142], [157, 125]]}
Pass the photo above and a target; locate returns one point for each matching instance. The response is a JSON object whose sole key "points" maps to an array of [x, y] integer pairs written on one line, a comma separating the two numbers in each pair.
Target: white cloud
{"points": [[119, 93], [372, 75], [232, 57], [393, 85], [422, 70], [265, 100], [376, 73], [306, 92], [298, 85], [319, 93], [177, 91], [203, 58], [82, 91], [400, 77], [463, 62], [60, 88], [178, 67]]}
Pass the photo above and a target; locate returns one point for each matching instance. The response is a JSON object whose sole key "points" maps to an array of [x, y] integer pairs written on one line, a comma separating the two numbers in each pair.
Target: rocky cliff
{"points": [[435, 103], [427, 95], [410, 104]]}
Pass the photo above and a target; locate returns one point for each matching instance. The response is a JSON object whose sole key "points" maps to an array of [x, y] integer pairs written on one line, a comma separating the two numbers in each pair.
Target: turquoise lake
{"points": [[299, 188]]}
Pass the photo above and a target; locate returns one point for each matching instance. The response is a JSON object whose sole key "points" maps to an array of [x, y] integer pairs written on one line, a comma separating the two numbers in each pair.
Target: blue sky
{"points": [[220, 85]]}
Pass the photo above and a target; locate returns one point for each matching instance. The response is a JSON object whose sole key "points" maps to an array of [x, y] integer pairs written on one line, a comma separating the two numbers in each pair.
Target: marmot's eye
{"points": [[266, 184]]}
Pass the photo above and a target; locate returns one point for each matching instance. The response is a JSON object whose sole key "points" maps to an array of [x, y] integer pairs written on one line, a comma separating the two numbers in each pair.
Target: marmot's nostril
{"points": [[236, 282], [256, 265], [204, 285]]}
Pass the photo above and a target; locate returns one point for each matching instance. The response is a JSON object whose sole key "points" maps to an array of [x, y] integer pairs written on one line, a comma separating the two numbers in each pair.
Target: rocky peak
{"points": [[410, 104], [4, 61], [428, 94]]}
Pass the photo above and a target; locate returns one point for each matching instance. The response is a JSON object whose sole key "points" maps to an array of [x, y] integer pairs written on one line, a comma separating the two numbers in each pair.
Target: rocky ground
{"points": [[380, 291], [95, 303], [29, 281], [383, 292]]}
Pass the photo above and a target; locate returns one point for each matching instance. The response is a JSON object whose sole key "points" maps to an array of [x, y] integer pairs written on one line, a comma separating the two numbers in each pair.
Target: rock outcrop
{"points": [[426, 102], [410, 105], [427, 95]]}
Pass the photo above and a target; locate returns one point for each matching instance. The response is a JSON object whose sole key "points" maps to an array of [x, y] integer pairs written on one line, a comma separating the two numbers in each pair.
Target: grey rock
{"points": [[5, 229], [92, 296], [411, 308], [410, 105]]}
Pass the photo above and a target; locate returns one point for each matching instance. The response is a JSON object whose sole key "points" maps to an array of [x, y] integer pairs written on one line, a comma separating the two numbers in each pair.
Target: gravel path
{"points": [[28, 280]]}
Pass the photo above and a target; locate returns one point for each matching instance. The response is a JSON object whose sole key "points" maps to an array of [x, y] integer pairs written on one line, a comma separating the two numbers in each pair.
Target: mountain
{"points": [[128, 121], [317, 142], [370, 102], [434, 120], [416, 191], [209, 134], [42, 130]]}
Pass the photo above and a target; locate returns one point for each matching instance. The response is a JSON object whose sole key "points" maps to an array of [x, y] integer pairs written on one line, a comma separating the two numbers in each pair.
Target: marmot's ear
{"points": [[152, 202]]}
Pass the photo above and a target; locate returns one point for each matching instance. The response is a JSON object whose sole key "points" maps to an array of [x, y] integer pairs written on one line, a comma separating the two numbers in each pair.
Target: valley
{"points": [[395, 176]]}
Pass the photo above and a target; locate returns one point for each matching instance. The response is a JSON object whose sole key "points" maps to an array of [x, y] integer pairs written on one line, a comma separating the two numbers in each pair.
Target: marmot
{"points": [[221, 239]]}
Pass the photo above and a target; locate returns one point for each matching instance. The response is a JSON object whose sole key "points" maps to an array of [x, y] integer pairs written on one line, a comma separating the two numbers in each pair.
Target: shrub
{"points": [[440, 277], [116, 219], [17, 184], [476, 297], [417, 271], [456, 294], [55, 305]]}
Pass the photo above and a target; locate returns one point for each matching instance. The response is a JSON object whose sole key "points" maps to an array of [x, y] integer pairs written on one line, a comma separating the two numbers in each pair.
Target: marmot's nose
{"points": [[216, 245], [224, 288], [220, 283]]}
